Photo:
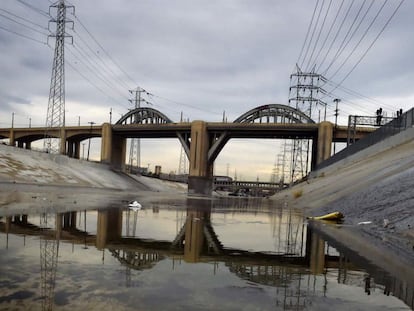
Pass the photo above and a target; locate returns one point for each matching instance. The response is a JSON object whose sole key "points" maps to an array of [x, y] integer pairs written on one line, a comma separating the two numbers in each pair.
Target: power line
{"points": [[360, 40], [102, 64], [372, 43], [313, 33], [24, 25], [24, 19], [35, 9], [22, 35], [307, 32], [357, 94], [90, 82], [187, 105], [337, 34], [94, 70], [102, 48], [319, 35], [328, 33], [342, 46]]}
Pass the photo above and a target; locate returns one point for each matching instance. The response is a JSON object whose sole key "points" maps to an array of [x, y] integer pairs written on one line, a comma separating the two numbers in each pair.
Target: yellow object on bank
{"points": [[330, 216]]}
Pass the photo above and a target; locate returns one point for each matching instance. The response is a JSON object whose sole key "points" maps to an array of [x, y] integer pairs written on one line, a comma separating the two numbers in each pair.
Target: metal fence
{"points": [[397, 125]]}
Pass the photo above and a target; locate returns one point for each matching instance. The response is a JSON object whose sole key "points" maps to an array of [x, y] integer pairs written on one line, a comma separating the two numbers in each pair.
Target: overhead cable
{"points": [[307, 32], [342, 46], [372, 43], [318, 37], [22, 35], [313, 33]]}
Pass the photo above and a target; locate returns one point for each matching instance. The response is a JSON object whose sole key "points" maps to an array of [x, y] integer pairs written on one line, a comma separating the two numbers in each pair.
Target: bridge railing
{"points": [[397, 125]]}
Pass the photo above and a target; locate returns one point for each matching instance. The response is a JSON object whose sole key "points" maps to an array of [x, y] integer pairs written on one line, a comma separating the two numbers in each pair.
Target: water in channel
{"points": [[198, 254]]}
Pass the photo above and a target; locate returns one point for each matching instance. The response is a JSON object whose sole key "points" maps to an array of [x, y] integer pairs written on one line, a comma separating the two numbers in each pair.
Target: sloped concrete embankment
{"points": [[374, 189], [31, 180]]}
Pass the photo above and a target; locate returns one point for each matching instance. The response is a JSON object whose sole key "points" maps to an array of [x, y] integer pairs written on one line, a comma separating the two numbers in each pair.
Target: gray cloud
{"points": [[205, 57]]}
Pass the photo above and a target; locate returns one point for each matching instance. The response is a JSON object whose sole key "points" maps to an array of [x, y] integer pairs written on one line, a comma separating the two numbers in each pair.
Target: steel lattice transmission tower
{"points": [[49, 250], [55, 118], [135, 148], [183, 161], [305, 95]]}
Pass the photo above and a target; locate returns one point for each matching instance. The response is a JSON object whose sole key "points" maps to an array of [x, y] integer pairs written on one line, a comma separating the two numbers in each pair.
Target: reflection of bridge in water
{"points": [[298, 251]]}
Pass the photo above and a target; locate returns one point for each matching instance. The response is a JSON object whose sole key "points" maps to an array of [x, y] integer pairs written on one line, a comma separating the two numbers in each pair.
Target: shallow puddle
{"points": [[238, 254]]}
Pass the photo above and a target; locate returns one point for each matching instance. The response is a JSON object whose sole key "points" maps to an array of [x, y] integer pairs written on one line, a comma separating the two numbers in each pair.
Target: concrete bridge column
{"points": [[109, 227], [113, 148], [324, 142], [74, 149], [12, 141], [200, 179], [76, 153], [317, 254], [59, 221], [62, 141]]}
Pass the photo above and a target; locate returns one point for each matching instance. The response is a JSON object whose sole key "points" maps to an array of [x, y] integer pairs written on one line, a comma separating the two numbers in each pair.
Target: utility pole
{"points": [[89, 142], [336, 101], [55, 118]]}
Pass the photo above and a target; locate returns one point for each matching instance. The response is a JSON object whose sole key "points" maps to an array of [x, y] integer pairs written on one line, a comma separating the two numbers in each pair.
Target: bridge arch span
{"points": [[274, 113], [144, 115]]}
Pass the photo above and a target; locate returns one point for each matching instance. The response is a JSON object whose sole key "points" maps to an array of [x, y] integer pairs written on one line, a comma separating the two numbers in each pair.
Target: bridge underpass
{"points": [[202, 141]]}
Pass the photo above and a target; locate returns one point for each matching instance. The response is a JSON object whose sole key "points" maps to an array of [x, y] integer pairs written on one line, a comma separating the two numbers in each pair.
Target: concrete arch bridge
{"points": [[202, 141]]}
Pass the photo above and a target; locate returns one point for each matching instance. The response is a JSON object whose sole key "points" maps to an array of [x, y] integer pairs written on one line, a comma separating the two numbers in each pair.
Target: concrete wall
{"points": [[388, 143]]}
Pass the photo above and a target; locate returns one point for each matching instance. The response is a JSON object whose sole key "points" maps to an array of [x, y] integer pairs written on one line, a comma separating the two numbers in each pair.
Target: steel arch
{"points": [[144, 115], [274, 113]]}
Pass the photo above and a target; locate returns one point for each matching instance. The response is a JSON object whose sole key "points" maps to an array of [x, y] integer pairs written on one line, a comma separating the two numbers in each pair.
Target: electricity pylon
{"points": [[49, 250], [135, 148], [304, 94], [55, 118], [183, 164]]}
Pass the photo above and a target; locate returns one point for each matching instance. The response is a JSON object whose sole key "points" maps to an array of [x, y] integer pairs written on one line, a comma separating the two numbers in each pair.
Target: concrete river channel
{"points": [[191, 254]]}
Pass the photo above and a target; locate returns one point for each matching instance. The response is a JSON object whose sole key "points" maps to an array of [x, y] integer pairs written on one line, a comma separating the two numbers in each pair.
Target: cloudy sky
{"points": [[205, 59]]}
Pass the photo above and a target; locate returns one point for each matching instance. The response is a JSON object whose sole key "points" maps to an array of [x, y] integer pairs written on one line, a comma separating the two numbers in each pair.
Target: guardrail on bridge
{"points": [[397, 125]]}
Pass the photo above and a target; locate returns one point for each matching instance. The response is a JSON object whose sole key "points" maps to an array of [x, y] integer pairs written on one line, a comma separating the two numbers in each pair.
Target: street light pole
{"points": [[89, 143], [336, 100]]}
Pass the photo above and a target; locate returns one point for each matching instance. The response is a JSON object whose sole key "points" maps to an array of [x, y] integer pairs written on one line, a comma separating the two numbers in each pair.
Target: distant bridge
{"points": [[202, 141]]}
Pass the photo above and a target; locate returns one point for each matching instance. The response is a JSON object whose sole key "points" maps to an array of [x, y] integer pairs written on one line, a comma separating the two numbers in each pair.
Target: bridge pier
{"points": [[109, 227], [200, 179], [62, 140], [73, 149], [113, 148], [12, 141], [323, 143]]}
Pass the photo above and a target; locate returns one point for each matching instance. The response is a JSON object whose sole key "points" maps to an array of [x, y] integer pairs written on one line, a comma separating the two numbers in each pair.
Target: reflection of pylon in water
{"points": [[130, 231], [49, 249], [131, 228]]}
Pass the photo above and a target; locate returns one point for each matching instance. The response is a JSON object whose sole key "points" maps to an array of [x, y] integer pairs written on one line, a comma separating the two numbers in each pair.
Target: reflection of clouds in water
{"points": [[231, 297], [84, 281]]}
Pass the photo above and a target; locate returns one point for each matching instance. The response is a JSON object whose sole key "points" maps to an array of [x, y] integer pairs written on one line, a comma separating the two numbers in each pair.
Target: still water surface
{"points": [[238, 254]]}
